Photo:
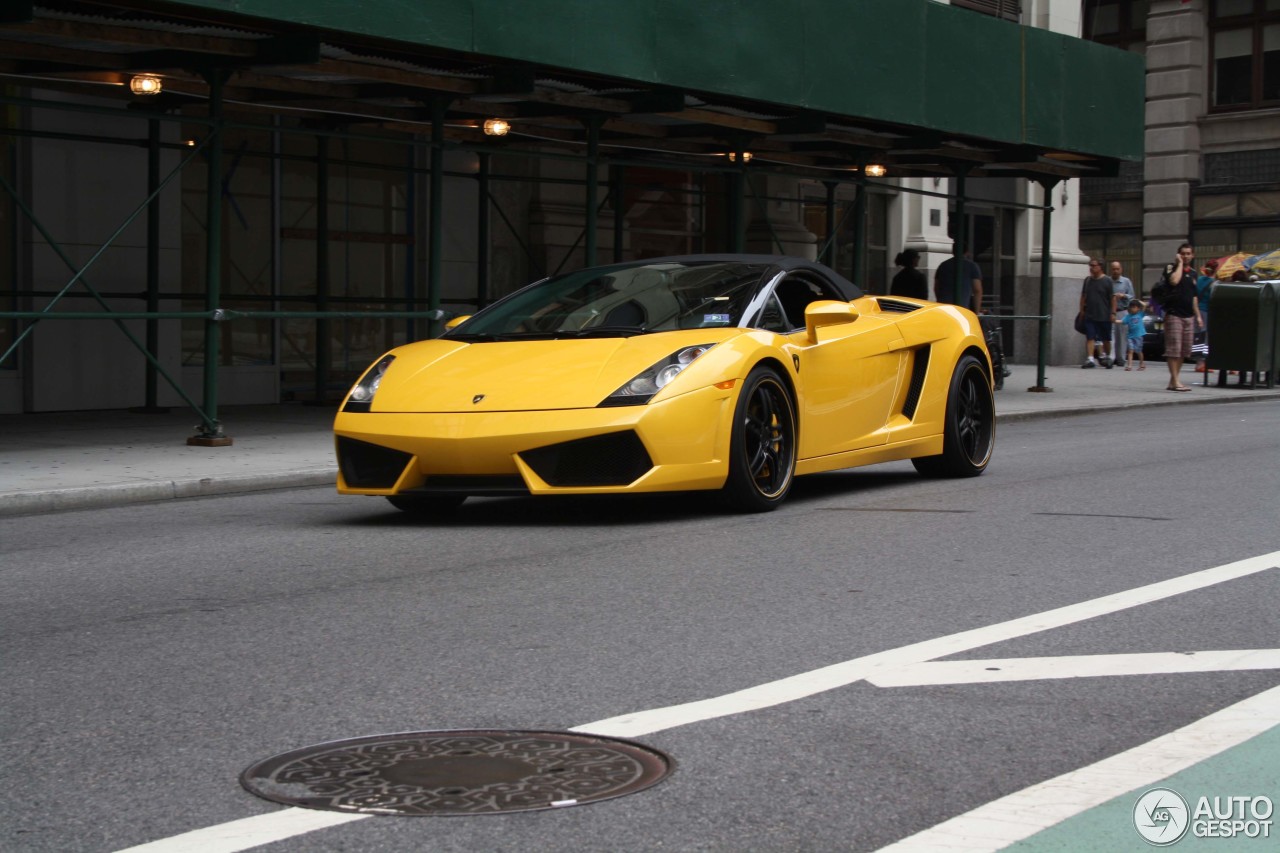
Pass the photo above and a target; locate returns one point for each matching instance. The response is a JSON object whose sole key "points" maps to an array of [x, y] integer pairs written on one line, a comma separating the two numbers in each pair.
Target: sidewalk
{"points": [[79, 460]]}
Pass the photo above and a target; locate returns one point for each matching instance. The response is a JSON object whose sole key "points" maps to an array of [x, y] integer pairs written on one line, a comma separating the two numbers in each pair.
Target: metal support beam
{"points": [[435, 225], [960, 235], [482, 230], [593, 187], [151, 404], [210, 433], [859, 233], [737, 201], [323, 328], [828, 256], [410, 232], [618, 191], [1042, 353], [762, 205]]}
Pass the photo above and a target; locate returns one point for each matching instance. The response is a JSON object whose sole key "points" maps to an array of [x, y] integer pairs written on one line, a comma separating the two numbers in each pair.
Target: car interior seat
{"points": [[795, 295], [629, 313]]}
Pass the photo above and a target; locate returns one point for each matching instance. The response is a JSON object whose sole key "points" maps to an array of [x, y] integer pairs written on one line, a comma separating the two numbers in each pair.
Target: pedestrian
{"points": [[1177, 294], [969, 284], [1135, 330], [1124, 293], [1204, 288], [909, 281], [1098, 308]]}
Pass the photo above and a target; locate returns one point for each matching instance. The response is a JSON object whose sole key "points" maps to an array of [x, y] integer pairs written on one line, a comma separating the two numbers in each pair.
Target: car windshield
{"points": [[622, 300]]}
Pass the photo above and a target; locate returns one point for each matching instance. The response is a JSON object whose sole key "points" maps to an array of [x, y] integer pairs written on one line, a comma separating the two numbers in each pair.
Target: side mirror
{"points": [[827, 312], [456, 321]]}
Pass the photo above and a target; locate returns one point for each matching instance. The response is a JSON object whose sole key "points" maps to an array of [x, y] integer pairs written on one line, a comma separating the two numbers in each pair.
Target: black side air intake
{"points": [[919, 367], [893, 306]]}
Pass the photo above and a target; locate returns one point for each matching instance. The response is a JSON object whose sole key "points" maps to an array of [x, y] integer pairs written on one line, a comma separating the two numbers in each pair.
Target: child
{"points": [[1134, 331]]}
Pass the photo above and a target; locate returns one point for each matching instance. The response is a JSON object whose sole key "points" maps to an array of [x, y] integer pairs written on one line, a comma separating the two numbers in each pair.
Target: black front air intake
{"points": [[370, 466], [615, 459]]}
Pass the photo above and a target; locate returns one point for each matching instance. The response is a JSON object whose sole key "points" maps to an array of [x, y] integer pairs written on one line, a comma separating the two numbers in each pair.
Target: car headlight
{"points": [[643, 386], [362, 394]]}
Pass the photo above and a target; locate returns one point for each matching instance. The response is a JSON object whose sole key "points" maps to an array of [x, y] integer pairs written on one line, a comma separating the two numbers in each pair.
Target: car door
{"points": [[847, 381]]}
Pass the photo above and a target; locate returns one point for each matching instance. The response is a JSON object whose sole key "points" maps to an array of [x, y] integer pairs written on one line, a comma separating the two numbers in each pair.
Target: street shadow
{"points": [[622, 510]]}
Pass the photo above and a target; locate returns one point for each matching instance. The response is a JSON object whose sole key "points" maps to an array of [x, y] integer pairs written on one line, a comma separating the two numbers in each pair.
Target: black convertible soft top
{"points": [[780, 262]]}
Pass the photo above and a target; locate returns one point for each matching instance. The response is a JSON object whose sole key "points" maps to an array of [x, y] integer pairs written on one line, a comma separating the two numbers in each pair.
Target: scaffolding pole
{"points": [[210, 433]]}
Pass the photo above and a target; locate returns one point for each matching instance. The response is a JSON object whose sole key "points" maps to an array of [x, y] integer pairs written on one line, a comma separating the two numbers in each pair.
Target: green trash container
{"points": [[1275, 335], [1243, 320]]}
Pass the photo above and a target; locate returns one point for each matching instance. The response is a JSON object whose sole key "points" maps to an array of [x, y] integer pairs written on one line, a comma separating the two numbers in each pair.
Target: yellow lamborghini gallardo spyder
{"points": [[727, 373]]}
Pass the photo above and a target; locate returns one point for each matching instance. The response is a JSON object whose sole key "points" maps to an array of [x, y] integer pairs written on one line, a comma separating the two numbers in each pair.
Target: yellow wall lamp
{"points": [[146, 84]]}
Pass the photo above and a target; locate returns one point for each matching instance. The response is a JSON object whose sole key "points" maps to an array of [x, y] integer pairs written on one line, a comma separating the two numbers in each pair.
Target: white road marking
{"points": [[842, 674], [1020, 815], [1073, 666], [275, 826], [249, 832]]}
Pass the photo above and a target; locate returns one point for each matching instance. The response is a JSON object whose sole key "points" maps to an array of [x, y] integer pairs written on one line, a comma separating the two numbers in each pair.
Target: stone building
{"points": [[363, 188], [1211, 173]]}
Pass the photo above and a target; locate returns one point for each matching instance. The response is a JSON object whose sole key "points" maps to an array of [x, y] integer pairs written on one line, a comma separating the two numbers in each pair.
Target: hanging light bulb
{"points": [[496, 127], [146, 84], [875, 170]]}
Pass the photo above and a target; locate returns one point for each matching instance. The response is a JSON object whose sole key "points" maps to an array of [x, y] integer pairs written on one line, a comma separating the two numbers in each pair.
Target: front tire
{"points": [[969, 431], [762, 451]]}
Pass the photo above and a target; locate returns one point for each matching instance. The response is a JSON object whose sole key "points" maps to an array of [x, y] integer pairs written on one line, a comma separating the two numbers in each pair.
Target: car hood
{"points": [[511, 376]]}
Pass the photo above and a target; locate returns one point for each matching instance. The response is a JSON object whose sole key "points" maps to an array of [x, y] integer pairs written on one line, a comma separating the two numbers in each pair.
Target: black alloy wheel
{"points": [[762, 455], [969, 429]]}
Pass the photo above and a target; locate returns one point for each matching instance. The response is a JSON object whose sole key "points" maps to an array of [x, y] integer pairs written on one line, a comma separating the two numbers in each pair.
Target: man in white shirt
{"points": [[1124, 294]]}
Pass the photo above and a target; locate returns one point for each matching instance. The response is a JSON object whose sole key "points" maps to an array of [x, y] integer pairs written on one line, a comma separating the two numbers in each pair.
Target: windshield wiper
{"points": [[485, 337], [594, 332], [608, 332]]}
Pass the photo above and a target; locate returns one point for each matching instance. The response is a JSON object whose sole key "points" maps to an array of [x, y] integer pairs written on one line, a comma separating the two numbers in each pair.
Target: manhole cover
{"points": [[457, 772]]}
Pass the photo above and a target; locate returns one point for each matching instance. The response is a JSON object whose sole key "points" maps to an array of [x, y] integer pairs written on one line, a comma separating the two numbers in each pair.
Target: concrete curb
{"points": [[1042, 414], [120, 494]]}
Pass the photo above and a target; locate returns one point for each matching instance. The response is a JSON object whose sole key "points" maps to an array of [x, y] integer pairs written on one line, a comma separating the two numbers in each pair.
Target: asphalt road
{"points": [[148, 654]]}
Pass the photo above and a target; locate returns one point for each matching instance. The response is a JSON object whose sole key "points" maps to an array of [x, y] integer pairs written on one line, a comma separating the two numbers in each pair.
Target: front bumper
{"points": [[677, 444]]}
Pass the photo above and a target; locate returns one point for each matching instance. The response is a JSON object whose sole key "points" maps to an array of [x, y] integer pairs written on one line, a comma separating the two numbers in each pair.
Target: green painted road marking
{"points": [[1249, 769]]}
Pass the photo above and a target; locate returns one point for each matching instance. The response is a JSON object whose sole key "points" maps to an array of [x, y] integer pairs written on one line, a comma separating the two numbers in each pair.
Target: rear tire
{"points": [[762, 448], [426, 506], [969, 431]]}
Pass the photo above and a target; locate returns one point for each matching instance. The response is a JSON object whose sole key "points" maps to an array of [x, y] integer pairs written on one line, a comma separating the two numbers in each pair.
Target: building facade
{"points": [[1211, 174], [356, 180]]}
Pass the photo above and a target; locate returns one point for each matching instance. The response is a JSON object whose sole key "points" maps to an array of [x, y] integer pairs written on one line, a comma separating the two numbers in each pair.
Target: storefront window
{"points": [[1219, 242], [1260, 204], [1215, 206]]}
